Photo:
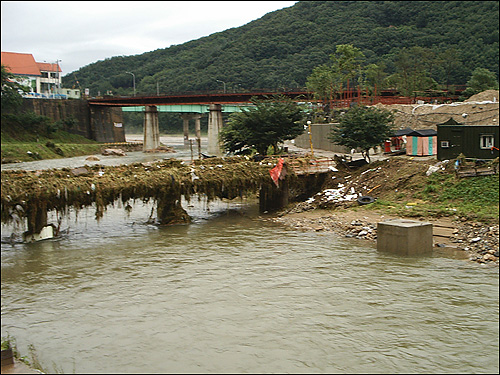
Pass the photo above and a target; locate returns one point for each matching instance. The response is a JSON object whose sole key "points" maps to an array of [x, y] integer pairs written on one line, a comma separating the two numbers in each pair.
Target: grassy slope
{"points": [[403, 188], [16, 147]]}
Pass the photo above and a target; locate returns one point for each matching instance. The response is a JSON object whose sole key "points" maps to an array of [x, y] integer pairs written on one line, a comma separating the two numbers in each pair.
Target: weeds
{"points": [[33, 361]]}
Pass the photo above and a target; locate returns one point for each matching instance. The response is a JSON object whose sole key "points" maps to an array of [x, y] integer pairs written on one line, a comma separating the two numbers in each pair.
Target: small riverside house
{"points": [[421, 142], [474, 141]]}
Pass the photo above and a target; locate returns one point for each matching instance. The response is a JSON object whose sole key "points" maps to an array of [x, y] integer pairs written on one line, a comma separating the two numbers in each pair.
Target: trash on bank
{"points": [[335, 195]]}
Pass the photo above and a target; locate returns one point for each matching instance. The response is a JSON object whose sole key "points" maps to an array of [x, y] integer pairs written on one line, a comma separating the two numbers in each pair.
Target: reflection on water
{"points": [[233, 293]]}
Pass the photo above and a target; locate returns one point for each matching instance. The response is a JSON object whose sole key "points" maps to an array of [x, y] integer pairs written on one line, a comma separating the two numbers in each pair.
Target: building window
{"points": [[486, 141], [445, 144]]}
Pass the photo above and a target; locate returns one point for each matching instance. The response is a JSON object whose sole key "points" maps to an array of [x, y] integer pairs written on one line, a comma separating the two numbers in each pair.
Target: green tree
{"points": [[481, 79], [413, 70], [374, 77], [347, 62], [449, 61], [11, 98], [328, 79], [363, 128], [270, 122]]}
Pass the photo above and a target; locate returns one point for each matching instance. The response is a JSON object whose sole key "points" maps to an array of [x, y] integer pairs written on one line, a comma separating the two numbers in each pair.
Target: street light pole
{"points": [[58, 76], [133, 75], [224, 83], [158, 86], [310, 137]]}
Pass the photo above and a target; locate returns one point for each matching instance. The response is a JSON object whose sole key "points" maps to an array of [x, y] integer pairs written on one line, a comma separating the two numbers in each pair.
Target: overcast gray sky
{"points": [[82, 32]]}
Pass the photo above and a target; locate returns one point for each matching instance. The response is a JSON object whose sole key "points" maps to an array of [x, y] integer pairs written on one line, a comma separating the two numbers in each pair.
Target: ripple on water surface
{"points": [[232, 293]]}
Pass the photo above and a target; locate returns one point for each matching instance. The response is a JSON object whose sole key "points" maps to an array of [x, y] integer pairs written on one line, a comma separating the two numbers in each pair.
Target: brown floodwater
{"points": [[232, 293]]}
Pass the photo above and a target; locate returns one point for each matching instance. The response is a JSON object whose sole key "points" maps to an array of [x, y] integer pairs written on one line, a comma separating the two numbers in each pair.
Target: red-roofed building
{"points": [[44, 79]]}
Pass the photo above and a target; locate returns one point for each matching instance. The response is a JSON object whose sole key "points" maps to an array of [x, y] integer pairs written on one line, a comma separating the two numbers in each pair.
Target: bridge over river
{"points": [[191, 106], [30, 195]]}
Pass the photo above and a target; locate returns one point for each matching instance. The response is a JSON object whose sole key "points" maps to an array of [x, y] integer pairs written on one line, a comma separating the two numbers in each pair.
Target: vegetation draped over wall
{"points": [[280, 50], [24, 193]]}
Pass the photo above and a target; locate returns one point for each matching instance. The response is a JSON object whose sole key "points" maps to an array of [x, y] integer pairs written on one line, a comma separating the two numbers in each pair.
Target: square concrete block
{"points": [[406, 237]]}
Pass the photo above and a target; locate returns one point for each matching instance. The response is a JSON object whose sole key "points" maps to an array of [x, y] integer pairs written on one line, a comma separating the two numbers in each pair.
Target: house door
{"points": [[457, 143]]}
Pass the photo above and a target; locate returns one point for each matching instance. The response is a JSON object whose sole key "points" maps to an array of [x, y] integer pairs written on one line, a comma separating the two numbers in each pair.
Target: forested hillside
{"points": [[280, 50]]}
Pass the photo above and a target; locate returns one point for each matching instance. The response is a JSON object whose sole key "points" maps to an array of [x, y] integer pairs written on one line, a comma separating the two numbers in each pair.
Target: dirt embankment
{"points": [[395, 179], [479, 109]]}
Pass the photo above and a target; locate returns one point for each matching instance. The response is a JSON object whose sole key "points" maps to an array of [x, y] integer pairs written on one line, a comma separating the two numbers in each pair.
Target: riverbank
{"points": [[401, 188], [19, 367], [462, 240]]}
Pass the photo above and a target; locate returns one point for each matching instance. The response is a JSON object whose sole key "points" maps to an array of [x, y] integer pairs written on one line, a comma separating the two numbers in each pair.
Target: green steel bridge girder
{"points": [[188, 108]]}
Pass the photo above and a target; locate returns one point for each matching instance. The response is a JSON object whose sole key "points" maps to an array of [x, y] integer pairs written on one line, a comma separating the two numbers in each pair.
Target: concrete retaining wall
{"points": [[320, 141], [102, 124]]}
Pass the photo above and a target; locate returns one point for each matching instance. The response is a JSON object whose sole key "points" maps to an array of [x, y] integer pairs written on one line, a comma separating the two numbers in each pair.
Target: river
{"points": [[233, 293]]}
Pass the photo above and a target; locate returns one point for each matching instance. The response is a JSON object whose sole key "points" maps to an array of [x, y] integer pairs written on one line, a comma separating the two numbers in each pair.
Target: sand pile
{"points": [[479, 109]]}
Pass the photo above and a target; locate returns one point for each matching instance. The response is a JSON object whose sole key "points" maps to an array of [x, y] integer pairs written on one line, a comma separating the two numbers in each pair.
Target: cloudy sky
{"points": [[79, 33]]}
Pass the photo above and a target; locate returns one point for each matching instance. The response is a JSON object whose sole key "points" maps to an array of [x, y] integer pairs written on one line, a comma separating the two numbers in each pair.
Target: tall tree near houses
{"points": [[11, 97], [413, 70], [373, 77], [363, 128], [270, 122]]}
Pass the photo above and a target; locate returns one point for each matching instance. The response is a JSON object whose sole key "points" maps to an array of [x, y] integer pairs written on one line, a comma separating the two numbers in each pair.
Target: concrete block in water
{"points": [[407, 237], [46, 233]]}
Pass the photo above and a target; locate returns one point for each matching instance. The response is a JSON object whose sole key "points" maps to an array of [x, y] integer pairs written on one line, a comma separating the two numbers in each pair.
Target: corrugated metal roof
{"points": [[20, 63], [423, 133], [402, 132]]}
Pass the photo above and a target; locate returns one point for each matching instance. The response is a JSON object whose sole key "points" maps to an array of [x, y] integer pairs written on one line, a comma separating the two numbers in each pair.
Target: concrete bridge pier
{"points": [[185, 126], [186, 117], [197, 130], [214, 127], [151, 128]]}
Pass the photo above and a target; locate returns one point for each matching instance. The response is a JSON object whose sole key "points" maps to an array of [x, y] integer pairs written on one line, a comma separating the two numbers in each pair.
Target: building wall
{"points": [[466, 139], [320, 141]]}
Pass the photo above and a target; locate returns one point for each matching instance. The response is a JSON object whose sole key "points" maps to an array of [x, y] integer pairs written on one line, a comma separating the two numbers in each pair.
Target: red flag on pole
{"points": [[276, 171]]}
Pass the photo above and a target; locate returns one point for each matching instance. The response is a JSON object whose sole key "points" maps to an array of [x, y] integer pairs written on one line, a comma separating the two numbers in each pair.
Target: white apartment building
{"points": [[43, 79]]}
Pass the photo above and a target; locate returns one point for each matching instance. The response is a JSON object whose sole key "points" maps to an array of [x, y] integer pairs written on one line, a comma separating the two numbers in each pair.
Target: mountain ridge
{"points": [[280, 49]]}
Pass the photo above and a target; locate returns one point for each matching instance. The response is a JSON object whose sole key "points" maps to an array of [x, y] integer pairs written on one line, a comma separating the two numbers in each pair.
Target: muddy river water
{"points": [[233, 293]]}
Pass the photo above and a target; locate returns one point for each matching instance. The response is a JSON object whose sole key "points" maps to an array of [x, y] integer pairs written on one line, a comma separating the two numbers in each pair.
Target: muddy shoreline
{"points": [[472, 241]]}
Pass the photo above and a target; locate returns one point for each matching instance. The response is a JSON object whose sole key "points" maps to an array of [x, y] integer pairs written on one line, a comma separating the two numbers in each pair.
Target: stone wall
{"points": [[106, 124], [102, 124]]}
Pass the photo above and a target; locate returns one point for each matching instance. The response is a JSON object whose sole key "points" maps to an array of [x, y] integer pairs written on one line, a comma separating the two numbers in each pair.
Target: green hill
{"points": [[280, 49]]}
